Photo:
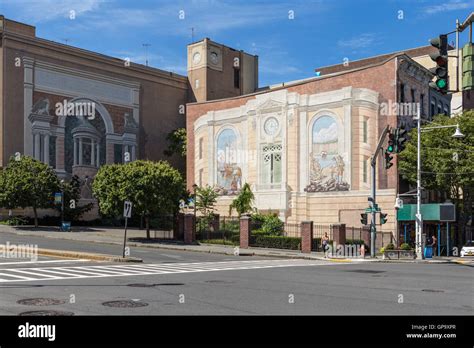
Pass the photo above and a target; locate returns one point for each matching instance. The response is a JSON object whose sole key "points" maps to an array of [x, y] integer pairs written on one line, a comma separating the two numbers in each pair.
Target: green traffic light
{"points": [[441, 83], [390, 148]]}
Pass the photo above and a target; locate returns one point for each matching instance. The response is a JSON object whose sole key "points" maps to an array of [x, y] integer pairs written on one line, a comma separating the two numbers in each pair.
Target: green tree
{"points": [[154, 188], [243, 202], [28, 183], [72, 194], [206, 198], [177, 143], [447, 163]]}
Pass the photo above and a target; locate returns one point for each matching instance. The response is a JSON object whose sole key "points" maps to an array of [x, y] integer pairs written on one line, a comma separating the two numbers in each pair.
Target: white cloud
{"points": [[35, 11], [326, 135], [360, 41], [453, 5]]}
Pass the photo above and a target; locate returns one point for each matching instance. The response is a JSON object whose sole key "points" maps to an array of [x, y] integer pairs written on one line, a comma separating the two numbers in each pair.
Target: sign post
{"points": [[127, 213]]}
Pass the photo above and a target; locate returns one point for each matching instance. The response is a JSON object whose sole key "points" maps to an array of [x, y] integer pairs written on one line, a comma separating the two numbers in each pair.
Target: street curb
{"points": [[89, 256]]}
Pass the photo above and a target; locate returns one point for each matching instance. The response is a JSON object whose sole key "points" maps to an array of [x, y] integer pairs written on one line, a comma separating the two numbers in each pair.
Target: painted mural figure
{"points": [[229, 173], [326, 164]]}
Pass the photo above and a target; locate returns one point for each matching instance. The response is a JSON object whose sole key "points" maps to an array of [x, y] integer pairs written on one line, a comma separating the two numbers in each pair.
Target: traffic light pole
{"points": [[373, 163]]}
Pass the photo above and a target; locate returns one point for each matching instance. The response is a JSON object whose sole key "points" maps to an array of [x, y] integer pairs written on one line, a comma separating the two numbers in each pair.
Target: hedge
{"points": [[278, 242]]}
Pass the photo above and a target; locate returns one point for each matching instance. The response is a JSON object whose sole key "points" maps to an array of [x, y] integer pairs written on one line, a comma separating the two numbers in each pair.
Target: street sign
{"points": [[58, 198], [127, 209], [182, 204]]}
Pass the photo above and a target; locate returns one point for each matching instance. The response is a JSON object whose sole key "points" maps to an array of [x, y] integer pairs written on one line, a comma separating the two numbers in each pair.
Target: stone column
{"points": [[92, 152], [109, 153], [134, 154], [60, 153], [98, 155], [306, 236], [189, 228], [37, 139], [80, 151], [46, 149], [244, 231], [75, 151], [339, 234]]}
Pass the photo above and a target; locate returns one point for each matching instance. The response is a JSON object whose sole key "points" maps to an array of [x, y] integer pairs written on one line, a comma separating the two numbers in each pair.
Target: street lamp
{"points": [[419, 219]]}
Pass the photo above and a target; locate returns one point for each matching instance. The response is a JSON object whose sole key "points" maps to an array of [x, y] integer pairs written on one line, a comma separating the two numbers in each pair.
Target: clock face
{"points": [[271, 126], [196, 58], [214, 57]]}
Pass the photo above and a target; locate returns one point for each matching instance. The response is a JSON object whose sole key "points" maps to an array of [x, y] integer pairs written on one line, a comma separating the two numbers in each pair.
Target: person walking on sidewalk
{"points": [[434, 242], [324, 243]]}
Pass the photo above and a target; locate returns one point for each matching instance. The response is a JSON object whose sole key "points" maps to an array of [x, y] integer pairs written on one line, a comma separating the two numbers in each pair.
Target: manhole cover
{"points": [[431, 290], [125, 304], [41, 302], [46, 313], [368, 271]]}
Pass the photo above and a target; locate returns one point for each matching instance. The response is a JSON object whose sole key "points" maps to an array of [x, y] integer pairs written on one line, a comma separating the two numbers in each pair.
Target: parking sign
{"points": [[127, 209]]}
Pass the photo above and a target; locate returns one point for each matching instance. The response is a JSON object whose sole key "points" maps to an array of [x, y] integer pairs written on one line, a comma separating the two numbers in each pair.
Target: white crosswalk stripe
{"points": [[78, 272]]}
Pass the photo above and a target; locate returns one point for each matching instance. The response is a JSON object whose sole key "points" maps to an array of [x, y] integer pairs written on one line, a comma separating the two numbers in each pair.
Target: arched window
{"points": [[326, 171], [229, 172]]}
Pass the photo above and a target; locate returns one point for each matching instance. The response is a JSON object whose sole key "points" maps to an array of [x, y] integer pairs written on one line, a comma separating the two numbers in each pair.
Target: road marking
{"points": [[40, 262], [80, 272]]}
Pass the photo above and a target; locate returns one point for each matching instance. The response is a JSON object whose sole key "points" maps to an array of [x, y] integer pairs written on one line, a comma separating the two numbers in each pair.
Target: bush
{"points": [[405, 246], [278, 242], [390, 246], [17, 221], [354, 241], [269, 225]]}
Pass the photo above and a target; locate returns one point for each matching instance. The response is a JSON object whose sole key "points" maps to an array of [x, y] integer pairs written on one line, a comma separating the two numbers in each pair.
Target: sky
{"points": [[291, 37]]}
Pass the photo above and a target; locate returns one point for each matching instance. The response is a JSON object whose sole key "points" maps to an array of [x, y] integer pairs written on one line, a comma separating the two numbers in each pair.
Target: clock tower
{"points": [[216, 71]]}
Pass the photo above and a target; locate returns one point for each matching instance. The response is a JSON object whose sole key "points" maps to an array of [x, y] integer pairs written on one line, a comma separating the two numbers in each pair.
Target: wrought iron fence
{"points": [[224, 230], [292, 230], [319, 231]]}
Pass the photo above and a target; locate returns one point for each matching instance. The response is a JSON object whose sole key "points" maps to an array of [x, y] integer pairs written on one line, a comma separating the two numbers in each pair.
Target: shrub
{"points": [[272, 225], [390, 246], [354, 241], [278, 242], [17, 221], [382, 249], [405, 246]]}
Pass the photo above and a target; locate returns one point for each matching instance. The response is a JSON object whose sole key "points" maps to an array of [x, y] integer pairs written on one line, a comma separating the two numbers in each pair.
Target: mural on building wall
{"points": [[229, 173], [326, 171]]}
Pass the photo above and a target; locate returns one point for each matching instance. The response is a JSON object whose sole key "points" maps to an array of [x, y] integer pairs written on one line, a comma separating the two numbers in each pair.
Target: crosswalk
{"points": [[79, 272]]}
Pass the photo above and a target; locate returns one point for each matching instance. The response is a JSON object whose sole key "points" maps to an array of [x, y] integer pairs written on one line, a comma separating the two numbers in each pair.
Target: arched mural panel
{"points": [[229, 172]]}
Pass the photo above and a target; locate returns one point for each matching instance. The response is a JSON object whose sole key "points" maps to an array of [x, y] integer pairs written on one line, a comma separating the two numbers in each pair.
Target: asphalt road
{"points": [[188, 283]]}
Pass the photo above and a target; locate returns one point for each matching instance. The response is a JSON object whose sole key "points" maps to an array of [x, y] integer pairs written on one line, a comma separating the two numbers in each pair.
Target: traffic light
{"points": [[400, 139], [383, 218], [391, 142], [441, 59], [363, 219], [388, 159], [468, 67]]}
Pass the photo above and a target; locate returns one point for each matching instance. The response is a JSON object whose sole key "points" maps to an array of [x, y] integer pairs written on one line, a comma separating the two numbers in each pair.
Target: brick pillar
{"points": [[179, 227], [189, 226], [339, 234], [306, 236], [244, 231]]}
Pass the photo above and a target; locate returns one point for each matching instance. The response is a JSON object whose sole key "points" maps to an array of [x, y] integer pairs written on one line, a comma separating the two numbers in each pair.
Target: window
{"points": [[236, 78], [422, 104], [200, 147], [271, 164], [402, 92], [364, 131], [200, 177], [364, 171], [413, 92]]}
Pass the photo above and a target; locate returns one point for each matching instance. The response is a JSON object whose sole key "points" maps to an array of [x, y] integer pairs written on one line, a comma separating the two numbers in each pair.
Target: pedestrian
{"points": [[324, 243], [434, 242]]}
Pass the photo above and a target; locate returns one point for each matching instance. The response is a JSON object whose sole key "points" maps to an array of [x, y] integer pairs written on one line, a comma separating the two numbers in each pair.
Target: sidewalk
{"points": [[114, 235]]}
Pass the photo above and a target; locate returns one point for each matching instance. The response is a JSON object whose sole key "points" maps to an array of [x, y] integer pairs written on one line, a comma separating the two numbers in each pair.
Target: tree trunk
{"points": [[36, 217], [147, 224]]}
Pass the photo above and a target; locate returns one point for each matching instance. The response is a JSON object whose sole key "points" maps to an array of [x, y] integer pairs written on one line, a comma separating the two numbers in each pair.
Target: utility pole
{"points": [[146, 45], [372, 199]]}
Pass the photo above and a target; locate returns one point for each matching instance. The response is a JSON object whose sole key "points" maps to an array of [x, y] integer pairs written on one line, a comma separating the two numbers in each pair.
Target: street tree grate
{"points": [[41, 302], [46, 313], [124, 304]]}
